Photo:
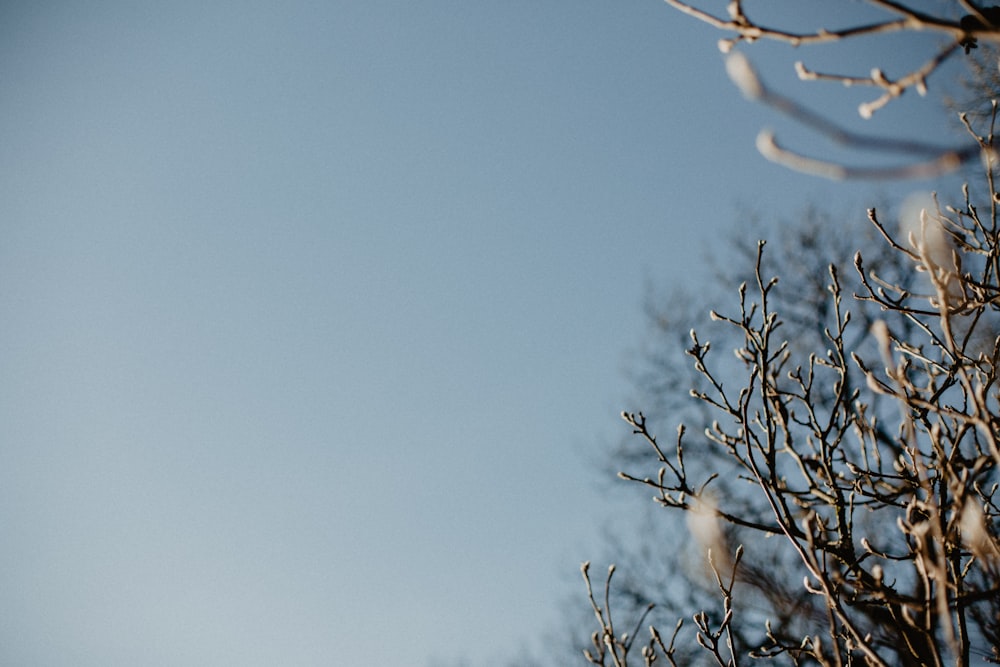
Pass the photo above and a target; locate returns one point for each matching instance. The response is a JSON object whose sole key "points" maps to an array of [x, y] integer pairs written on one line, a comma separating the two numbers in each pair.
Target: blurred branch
{"points": [[921, 160], [936, 159]]}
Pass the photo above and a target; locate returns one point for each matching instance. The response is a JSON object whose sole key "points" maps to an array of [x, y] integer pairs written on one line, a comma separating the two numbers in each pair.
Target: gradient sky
{"points": [[315, 313]]}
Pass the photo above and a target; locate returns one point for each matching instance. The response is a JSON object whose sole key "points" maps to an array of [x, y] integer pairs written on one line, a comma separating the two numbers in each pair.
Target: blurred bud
{"points": [[706, 528], [742, 74], [880, 330], [975, 535], [920, 223]]}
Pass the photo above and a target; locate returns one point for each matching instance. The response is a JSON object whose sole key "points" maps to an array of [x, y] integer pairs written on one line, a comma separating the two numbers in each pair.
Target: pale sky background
{"points": [[315, 313]]}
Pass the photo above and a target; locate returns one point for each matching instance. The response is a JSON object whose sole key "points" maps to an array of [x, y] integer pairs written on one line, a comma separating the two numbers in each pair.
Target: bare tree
{"points": [[657, 569], [844, 481], [840, 489]]}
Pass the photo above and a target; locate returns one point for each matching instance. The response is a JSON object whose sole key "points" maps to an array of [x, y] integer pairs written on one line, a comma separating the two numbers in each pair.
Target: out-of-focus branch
{"points": [[932, 160], [921, 160], [946, 162]]}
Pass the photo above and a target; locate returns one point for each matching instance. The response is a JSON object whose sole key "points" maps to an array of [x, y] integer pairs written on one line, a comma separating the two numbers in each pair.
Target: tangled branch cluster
{"points": [[877, 479]]}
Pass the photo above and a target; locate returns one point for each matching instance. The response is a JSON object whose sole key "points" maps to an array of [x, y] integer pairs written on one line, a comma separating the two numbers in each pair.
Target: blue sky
{"points": [[315, 314]]}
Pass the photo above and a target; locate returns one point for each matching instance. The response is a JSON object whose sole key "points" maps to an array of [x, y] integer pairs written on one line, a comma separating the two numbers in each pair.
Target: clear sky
{"points": [[315, 313]]}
